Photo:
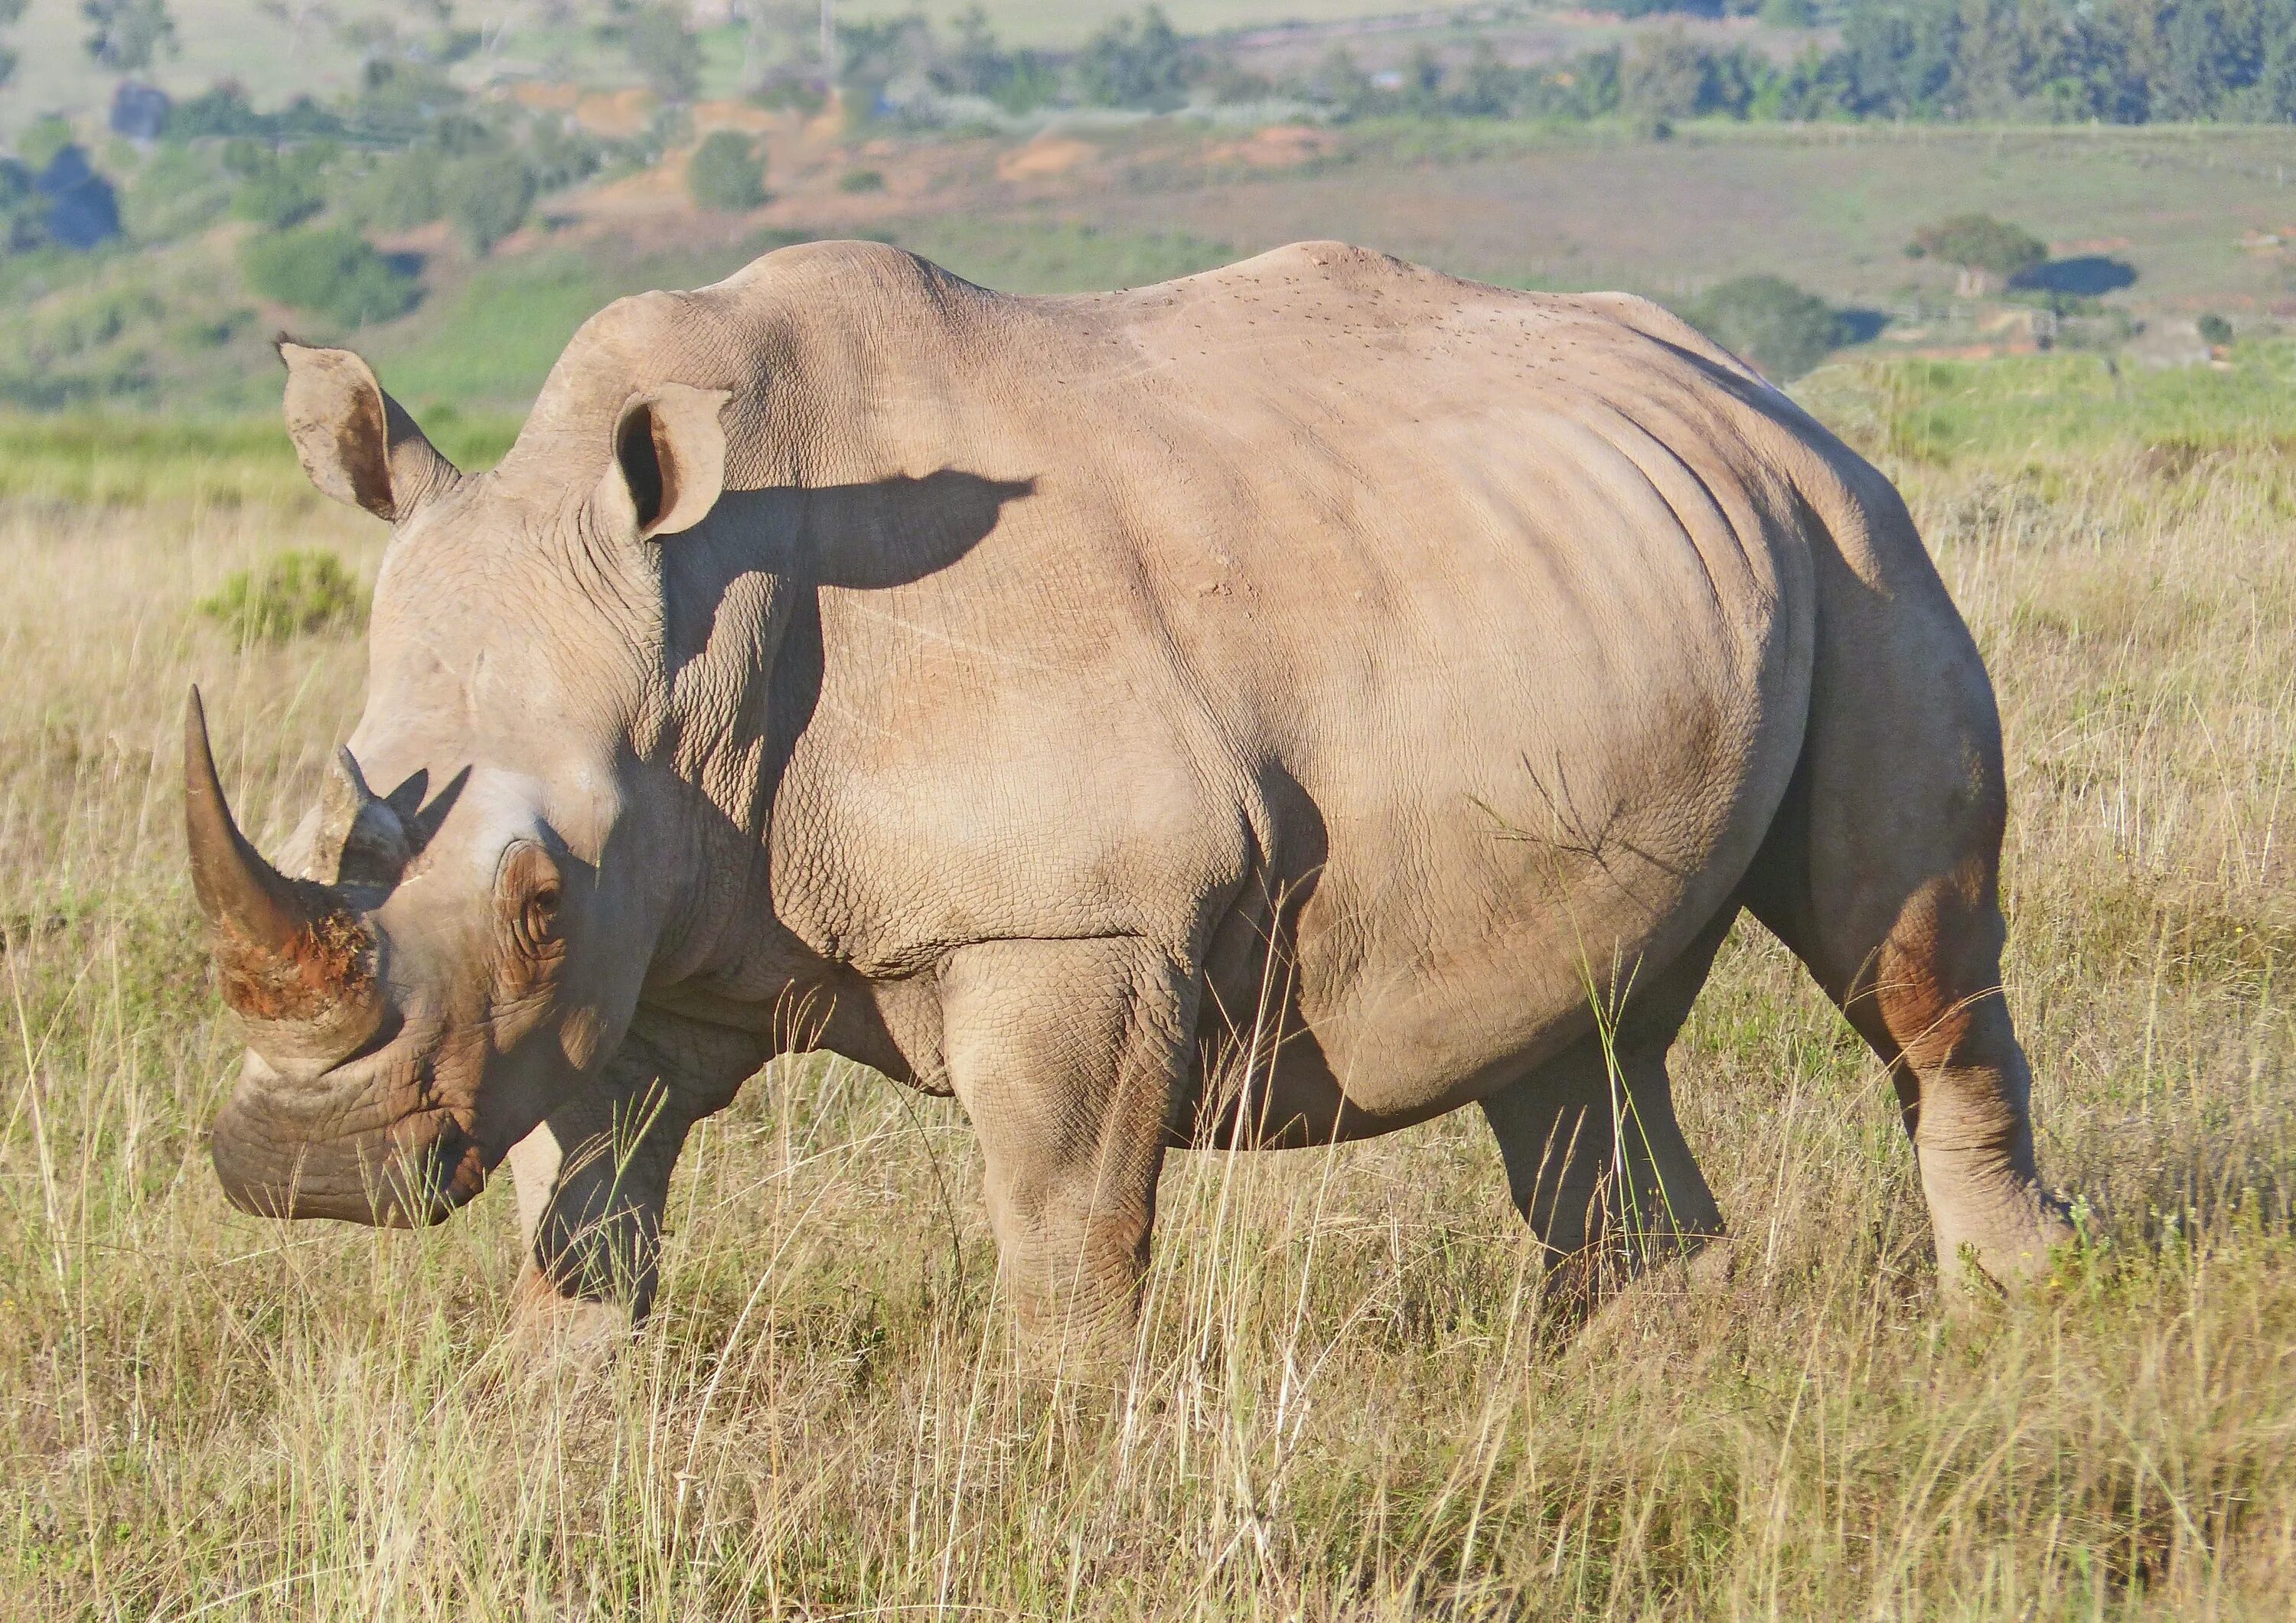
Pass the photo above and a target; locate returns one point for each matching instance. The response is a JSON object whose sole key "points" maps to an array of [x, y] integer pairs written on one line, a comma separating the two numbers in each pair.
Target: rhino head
{"points": [[437, 964]]}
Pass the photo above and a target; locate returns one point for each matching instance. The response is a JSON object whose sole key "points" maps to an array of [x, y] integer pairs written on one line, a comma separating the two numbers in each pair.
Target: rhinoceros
{"points": [[1263, 710]]}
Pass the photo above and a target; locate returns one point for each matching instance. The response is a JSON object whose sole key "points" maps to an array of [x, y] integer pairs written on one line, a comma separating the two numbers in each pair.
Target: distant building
{"points": [[140, 111]]}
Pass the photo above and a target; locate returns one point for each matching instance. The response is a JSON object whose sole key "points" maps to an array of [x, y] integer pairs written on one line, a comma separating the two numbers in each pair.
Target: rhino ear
{"points": [[669, 457], [353, 440]]}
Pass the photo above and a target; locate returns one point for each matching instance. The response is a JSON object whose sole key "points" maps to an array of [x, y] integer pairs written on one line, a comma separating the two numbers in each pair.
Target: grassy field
{"points": [[1345, 1402], [1831, 207]]}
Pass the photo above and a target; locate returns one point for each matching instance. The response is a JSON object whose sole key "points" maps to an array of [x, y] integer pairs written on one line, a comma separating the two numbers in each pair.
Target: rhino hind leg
{"points": [[1066, 1056], [1923, 988], [1595, 1160], [1881, 873]]}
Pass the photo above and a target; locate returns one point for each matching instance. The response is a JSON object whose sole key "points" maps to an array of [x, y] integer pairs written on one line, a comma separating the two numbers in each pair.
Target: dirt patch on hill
{"points": [[1279, 146], [1047, 155]]}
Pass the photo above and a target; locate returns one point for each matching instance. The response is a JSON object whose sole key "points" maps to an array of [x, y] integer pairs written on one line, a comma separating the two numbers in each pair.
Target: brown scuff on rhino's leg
{"points": [[1931, 1005], [1065, 1054]]}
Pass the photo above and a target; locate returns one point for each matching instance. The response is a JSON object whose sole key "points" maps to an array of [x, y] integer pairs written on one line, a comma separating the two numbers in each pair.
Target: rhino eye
{"points": [[542, 915], [532, 895]]}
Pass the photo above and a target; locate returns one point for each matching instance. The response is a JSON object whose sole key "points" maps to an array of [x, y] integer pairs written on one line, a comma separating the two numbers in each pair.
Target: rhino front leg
{"points": [[594, 1181], [1595, 1159], [1066, 1055]]}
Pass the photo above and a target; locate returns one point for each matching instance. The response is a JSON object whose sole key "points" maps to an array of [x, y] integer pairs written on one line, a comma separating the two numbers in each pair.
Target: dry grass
{"points": [[1346, 1403]]}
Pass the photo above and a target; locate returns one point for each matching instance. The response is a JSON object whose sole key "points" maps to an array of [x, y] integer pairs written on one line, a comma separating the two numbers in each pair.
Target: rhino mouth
{"points": [[274, 1159]]}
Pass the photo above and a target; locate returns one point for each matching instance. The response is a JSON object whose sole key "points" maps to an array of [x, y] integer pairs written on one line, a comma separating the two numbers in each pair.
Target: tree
{"points": [[1488, 87], [125, 34], [1665, 77], [977, 65], [487, 194], [727, 173], [1341, 83], [1982, 248], [1423, 83], [1135, 64], [11, 12], [665, 53], [330, 271], [1770, 322], [277, 190]]}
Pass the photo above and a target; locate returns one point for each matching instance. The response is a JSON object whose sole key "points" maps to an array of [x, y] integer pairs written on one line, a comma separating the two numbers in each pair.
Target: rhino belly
{"points": [[1488, 844]]}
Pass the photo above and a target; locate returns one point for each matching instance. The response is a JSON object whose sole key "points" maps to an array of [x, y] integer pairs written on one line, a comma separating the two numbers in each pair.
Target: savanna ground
{"points": [[1347, 1400]]}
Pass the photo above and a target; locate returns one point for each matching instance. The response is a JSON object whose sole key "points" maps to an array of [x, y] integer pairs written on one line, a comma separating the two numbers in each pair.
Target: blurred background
{"points": [[454, 184]]}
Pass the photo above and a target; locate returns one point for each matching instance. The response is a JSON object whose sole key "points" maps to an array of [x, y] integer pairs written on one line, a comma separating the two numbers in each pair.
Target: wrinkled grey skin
{"points": [[1270, 708]]}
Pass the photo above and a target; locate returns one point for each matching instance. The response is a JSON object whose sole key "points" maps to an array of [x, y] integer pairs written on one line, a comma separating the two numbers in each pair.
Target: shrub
{"points": [[1770, 322], [296, 594], [2215, 331], [280, 194], [1981, 246], [861, 180], [400, 193], [726, 173], [486, 195], [330, 271]]}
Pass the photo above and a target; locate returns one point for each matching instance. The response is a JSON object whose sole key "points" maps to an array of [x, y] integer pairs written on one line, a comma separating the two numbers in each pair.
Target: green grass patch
{"points": [[126, 458], [2020, 409], [494, 340], [297, 593]]}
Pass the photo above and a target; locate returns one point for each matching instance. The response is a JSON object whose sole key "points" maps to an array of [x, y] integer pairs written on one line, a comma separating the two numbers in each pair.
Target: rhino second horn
{"points": [[362, 841], [294, 964]]}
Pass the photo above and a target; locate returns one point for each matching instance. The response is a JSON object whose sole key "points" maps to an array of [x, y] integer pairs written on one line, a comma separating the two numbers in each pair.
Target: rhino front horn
{"points": [[295, 964]]}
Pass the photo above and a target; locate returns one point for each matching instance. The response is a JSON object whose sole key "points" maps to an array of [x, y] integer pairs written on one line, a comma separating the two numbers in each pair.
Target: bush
{"points": [[401, 192], [296, 594], [726, 173], [280, 192], [330, 271], [2215, 331], [1770, 322], [861, 180], [1981, 246], [486, 195]]}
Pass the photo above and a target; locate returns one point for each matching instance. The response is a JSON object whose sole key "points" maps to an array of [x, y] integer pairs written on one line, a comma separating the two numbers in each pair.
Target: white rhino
{"points": [[1270, 708]]}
